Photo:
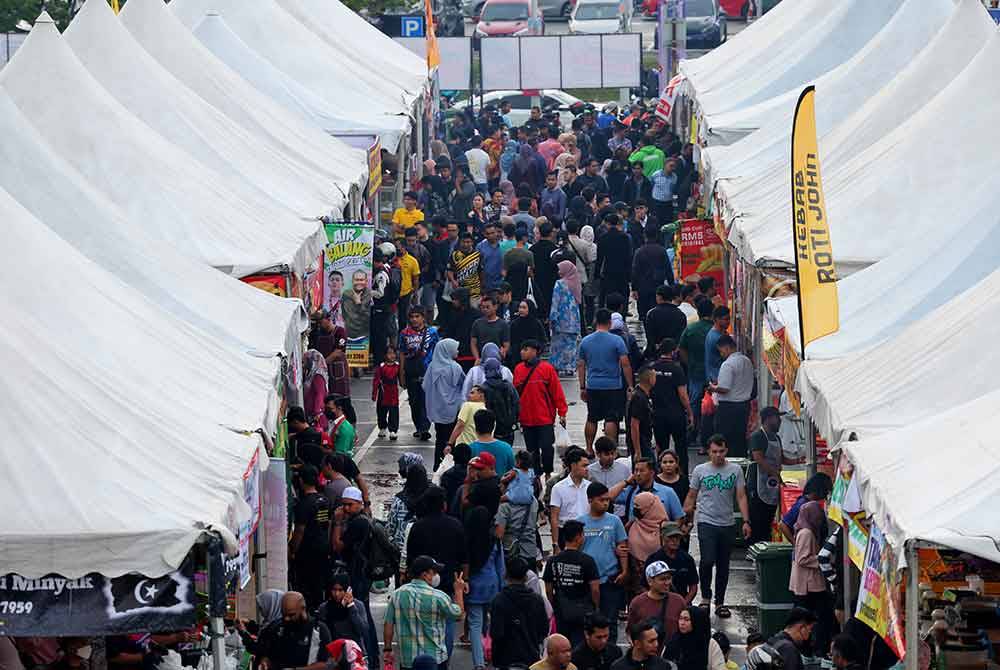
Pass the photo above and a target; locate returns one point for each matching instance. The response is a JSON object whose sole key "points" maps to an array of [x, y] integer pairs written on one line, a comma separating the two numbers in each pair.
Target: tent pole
{"points": [[846, 565], [912, 606], [420, 138], [216, 601], [763, 374]]}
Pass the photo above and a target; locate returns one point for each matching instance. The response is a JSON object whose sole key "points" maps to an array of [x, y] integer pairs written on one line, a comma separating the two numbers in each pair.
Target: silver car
{"points": [[550, 8]]}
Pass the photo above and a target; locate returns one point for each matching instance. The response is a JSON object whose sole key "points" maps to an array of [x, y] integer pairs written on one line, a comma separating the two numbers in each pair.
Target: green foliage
{"points": [[374, 7], [12, 11]]}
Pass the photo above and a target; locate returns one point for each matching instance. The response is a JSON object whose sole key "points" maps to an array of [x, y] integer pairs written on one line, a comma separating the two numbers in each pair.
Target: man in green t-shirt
{"points": [[692, 348], [341, 431]]}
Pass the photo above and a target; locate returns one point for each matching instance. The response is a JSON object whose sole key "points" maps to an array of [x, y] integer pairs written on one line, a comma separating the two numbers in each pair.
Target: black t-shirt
{"points": [[313, 511], [585, 658], [442, 537], [685, 570], [306, 447], [669, 377], [663, 321], [641, 407], [288, 646], [486, 492], [570, 573]]}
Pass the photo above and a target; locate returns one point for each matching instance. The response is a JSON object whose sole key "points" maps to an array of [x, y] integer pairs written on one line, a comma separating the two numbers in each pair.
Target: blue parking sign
{"points": [[411, 26]]}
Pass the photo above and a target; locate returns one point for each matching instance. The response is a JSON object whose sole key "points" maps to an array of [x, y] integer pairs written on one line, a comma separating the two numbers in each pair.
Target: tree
{"points": [[12, 11]]}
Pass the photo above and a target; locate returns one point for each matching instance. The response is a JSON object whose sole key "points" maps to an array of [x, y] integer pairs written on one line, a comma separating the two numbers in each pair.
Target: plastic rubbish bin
{"points": [[773, 567]]}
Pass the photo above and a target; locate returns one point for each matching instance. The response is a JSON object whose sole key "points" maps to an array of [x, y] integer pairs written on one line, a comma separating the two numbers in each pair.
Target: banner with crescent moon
{"points": [[96, 605]]}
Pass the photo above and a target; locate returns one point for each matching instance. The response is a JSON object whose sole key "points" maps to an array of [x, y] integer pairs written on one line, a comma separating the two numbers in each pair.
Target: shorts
{"points": [[605, 405]]}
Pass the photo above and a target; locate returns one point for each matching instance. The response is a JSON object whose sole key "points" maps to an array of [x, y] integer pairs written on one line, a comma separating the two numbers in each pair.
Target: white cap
{"points": [[656, 569], [352, 493]]}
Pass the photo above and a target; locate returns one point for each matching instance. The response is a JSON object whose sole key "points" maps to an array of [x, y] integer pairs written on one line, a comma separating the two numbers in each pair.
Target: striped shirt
{"points": [[467, 269], [419, 613]]}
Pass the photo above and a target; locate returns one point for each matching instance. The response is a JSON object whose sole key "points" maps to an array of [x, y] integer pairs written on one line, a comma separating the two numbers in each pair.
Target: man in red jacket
{"points": [[537, 383]]}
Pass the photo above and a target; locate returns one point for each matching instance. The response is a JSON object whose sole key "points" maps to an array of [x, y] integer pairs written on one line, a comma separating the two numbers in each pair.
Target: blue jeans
{"points": [[612, 599], [476, 615]]}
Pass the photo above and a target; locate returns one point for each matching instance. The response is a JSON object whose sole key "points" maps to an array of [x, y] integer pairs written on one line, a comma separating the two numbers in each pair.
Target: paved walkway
{"points": [[377, 460]]}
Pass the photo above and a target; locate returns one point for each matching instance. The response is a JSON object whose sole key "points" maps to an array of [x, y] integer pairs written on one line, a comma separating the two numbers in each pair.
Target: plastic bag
{"points": [[446, 464], [562, 437], [708, 404]]}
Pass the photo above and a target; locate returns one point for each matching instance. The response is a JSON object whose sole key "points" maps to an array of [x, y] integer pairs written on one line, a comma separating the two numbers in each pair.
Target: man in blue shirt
{"points": [[664, 183], [489, 250], [553, 195], [603, 535], [644, 479], [713, 359], [486, 423], [602, 360]]}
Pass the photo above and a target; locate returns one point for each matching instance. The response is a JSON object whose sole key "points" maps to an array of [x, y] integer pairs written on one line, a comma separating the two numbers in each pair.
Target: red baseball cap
{"points": [[484, 460]]}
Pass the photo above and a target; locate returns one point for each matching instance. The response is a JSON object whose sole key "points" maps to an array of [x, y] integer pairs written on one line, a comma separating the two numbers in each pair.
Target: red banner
{"points": [[701, 251], [272, 283]]}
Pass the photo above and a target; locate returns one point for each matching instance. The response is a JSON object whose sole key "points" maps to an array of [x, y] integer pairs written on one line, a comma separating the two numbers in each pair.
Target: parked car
{"points": [[506, 18], [550, 8], [706, 25], [520, 104], [743, 9], [594, 17]]}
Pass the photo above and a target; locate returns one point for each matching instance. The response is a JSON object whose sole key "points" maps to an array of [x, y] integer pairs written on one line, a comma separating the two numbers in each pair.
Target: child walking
{"points": [[385, 393]]}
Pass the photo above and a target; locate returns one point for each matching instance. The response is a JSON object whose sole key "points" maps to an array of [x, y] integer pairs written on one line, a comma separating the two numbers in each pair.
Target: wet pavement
{"points": [[377, 459]]}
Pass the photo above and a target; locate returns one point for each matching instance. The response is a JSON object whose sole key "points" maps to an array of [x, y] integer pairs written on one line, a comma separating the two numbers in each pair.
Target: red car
{"points": [[504, 18], [734, 8]]}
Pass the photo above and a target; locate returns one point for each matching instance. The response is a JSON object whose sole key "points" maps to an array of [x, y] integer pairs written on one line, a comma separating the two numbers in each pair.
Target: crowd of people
{"points": [[513, 269]]}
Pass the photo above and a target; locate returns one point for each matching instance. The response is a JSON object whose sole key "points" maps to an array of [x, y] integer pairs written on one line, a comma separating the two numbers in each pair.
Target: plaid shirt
{"points": [[419, 613]]}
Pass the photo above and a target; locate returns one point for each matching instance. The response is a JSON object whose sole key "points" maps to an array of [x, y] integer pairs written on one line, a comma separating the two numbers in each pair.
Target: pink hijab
{"points": [[568, 273]]}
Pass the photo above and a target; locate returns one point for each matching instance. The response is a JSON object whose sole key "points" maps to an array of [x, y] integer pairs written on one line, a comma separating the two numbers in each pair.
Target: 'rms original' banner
{"points": [[817, 278], [96, 605]]}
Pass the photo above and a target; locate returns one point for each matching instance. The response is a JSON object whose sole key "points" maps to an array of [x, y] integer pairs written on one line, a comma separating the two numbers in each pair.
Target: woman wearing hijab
{"points": [[692, 646], [346, 617], [524, 326], [502, 399], [402, 509], [315, 386], [807, 582], [643, 536], [268, 612], [525, 169], [507, 158], [507, 187], [593, 287], [443, 394], [631, 344], [564, 317], [486, 575], [477, 375]]}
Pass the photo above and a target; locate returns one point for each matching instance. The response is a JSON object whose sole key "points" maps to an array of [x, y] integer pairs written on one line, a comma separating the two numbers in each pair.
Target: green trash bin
{"points": [[773, 566]]}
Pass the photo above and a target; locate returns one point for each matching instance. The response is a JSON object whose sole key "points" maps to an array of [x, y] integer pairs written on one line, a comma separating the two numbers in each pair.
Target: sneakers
{"points": [[392, 436], [424, 437], [381, 434]]}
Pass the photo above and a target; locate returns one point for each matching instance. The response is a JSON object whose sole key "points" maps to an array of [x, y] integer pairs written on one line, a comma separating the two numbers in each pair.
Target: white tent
{"points": [[155, 183], [162, 36], [955, 457], [226, 308], [799, 58], [347, 32], [124, 426], [292, 48], [843, 89], [755, 172], [896, 187], [227, 46], [138, 82]]}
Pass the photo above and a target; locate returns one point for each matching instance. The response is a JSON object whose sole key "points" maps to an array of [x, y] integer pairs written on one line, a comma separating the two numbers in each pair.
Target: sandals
{"points": [[723, 612]]}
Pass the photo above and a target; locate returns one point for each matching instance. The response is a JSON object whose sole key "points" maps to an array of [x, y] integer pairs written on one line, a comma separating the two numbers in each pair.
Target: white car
{"points": [[521, 104], [595, 17]]}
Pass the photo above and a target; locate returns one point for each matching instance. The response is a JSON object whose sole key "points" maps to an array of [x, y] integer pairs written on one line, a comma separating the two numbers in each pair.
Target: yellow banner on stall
{"points": [[814, 268], [857, 542], [115, 6]]}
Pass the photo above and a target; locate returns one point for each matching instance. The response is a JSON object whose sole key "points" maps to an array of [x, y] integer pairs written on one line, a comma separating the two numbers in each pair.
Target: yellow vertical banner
{"points": [[814, 267], [433, 55], [115, 6]]}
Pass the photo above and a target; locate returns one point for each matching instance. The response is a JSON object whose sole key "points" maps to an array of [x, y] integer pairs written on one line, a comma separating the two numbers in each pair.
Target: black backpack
{"points": [[502, 400], [393, 286], [381, 556]]}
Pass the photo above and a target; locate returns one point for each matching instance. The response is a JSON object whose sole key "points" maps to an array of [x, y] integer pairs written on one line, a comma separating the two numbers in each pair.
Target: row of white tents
{"points": [[906, 99], [141, 174]]}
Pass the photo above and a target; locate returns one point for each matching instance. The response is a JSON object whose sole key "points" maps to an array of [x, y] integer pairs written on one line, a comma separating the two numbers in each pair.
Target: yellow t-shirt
{"points": [[410, 269], [466, 415], [406, 219]]}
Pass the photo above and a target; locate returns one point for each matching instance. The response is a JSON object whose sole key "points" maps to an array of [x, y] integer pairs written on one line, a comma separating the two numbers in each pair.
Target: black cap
{"points": [[422, 564]]}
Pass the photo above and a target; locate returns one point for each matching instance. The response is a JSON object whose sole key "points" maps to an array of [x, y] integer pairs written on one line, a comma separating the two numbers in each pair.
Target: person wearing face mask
{"points": [[341, 430], [794, 637], [297, 641], [417, 615], [345, 617]]}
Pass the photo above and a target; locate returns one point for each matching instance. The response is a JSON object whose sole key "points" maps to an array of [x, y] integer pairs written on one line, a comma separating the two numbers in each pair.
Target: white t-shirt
{"points": [[690, 312], [479, 162], [570, 499], [736, 375]]}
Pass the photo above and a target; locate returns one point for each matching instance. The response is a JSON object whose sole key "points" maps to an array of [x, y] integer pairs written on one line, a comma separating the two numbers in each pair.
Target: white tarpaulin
{"points": [[268, 80], [153, 181], [348, 33], [162, 36], [842, 90], [138, 82], [800, 57], [292, 48], [116, 417], [937, 479], [891, 190], [226, 308], [757, 181]]}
